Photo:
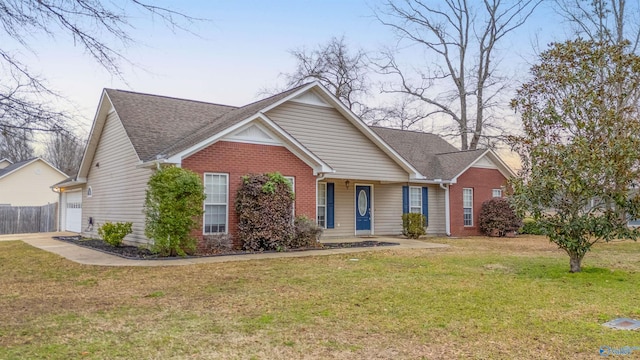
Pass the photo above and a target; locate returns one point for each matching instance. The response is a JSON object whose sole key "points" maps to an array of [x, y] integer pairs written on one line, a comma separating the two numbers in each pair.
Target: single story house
{"points": [[353, 179], [27, 183]]}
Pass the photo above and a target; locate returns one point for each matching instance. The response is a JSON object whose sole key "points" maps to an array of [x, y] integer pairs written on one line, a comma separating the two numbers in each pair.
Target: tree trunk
{"points": [[575, 261]]}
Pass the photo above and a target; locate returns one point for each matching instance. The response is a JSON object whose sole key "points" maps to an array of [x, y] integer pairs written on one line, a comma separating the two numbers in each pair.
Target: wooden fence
{"points": [[28, 219]]}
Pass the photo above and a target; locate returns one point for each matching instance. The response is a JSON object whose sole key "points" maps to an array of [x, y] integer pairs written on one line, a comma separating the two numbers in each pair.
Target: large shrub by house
{"points": [[173, 208], [264, 205], [497, 217]]}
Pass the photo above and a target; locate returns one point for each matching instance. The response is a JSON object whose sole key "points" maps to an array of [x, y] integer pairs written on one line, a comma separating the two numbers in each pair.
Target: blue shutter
{"points": [[425, 203], [330, 205], [405, 199]]}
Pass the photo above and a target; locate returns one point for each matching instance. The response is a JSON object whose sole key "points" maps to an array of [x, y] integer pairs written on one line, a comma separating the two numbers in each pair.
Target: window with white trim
{"points": [[292, 181], [322, 205], [216, 207], [496, 193], [467, 206], [415, 200]]}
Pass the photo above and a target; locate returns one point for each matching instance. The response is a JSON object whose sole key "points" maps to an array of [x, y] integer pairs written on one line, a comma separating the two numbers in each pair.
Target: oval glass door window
{"points": [[362, 203]]}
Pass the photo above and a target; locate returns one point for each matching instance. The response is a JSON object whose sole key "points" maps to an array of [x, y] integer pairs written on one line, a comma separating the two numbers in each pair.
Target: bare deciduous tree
{"points": [[95, 26], [604, 21], [64, 151], [459, 78], [16, 147], [343, 72], [401, 114]]}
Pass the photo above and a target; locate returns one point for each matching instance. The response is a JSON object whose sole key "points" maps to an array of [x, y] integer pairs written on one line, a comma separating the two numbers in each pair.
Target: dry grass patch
{"points": [[482, 298]]}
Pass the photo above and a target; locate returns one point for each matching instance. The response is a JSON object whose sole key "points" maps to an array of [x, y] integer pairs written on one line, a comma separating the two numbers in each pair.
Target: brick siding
{"points": [[482, 181], [238, 159]]}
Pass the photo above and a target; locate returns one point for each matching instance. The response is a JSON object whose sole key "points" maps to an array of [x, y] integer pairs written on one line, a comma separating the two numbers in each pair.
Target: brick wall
{"points": [[239, 159], [482, 181]]}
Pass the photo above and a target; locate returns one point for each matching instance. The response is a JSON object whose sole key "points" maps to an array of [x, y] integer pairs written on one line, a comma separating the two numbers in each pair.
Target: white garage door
{"points": [[73, 216]]}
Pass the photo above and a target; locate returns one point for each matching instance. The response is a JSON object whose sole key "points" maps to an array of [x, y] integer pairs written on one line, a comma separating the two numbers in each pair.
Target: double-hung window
{"points": [[415, 200], [467, 206], [216, 204], [322, 205]]}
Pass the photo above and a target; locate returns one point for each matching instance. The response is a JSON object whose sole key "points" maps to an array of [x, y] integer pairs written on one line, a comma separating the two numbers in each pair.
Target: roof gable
{"points": [[154, 122], [225, 121], [162, 127], [13, 168], [436, 159]]}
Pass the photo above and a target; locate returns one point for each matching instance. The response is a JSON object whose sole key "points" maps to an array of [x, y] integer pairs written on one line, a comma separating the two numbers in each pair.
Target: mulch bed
{"points": [[141, 253]]}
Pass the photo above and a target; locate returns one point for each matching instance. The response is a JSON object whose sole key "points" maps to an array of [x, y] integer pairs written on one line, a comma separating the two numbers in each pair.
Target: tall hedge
{"points": [[173, 208], [264, 208]]}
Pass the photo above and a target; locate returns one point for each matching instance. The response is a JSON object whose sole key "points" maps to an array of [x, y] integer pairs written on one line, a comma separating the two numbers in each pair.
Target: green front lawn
{"points": [[481, 298]]}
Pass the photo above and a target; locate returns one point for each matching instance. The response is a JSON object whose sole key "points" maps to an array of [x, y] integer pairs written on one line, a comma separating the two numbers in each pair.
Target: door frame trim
{"points": [[355, 208]]}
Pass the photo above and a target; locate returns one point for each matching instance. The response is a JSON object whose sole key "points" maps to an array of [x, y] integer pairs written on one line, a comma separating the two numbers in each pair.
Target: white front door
{"points": [[73, 211]]}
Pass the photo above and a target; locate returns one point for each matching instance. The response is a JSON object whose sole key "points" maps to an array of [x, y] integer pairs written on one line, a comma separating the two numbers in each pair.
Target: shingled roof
{"points": [[226, 120], [153, 122], [163, 126], [15, 166], [433, 156]]}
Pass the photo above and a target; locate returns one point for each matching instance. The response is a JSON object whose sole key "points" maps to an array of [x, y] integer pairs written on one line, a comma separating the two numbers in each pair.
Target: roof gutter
{"points": [[154, 164]]}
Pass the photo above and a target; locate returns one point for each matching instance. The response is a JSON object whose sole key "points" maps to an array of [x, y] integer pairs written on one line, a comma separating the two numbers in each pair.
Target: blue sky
{"points": [[241, 49]]}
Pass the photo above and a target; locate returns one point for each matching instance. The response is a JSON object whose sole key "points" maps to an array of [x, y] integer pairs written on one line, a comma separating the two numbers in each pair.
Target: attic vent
{"points": [[254, 134], [311, 99]]}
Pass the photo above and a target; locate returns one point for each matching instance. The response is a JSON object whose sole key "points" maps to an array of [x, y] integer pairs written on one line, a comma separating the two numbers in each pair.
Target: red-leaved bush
{"points": [[264, 209], [497, 217]]}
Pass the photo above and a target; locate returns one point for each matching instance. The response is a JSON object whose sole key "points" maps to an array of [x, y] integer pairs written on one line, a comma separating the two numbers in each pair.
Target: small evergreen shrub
{"points": [[414, 225], [530, 226], [497, 217], [307, 233], [114, 233], [263, 206]]}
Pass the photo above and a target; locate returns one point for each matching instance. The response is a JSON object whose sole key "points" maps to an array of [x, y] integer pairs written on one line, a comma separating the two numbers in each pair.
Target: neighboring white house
{"points": [[28, 183]]}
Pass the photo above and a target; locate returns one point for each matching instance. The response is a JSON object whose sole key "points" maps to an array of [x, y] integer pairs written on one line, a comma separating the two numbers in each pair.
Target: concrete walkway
{"points": [[87, 256]]}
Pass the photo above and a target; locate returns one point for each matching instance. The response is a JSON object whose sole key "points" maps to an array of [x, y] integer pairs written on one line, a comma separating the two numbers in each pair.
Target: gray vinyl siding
{"points": [[388, 209], [345, 213], [326, 133], [118, 186], [436, 211]]}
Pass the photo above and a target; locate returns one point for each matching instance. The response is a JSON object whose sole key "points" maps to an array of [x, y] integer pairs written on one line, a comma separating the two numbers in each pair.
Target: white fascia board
{"points": [[16, 169], [177, 158], [414, 174], [153, 163], [31, 162], [296, 147], [290, 97], [289, 142], [506, 170], [432, 182], [356, 121], [99, 119], [53, 167]]}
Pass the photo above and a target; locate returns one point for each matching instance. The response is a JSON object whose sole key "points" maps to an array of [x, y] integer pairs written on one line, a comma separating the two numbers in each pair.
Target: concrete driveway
{"points": [[87, 256]]}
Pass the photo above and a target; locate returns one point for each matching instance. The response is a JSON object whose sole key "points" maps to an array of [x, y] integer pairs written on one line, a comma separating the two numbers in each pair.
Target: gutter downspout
{"points": [[447, 213]]}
